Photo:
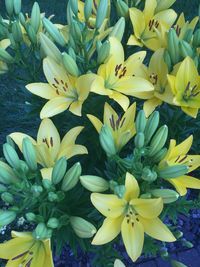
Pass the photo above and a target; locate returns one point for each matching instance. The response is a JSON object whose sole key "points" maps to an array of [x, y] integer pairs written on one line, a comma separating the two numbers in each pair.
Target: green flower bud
{"points": [[177, 264], [107, 141], [71, 178], [35, 17], [140, 122], [158, 141], [188, 244], [30, 216], [7, 197], [188, 35], [53, 32], [122, 9], [173, 171], [23, 166], [5, 56], [76, 31], [82, 228], [53, 223], [10, 141], [167, 195], [7, 176], [70, 65], [167, 59], [49, 48], [88, 9], [139, 140], [59, 170], [149, 175], [47, 184], [17, 6], [29, 154], [118, 29], [72, 53], [103, 52], [145, 196], [101, 13], [41, 231], [74, 6], [6, 217], [94, 183], [36, 190], [164, 254], [160, 155], [120, 190], [185, 49], [151, 126], [9, 7], [31, 34], [196, 38], [173, 46], [178, 234], [22, 19], [52, 197], [3, 188], [69, 14], [11, 156]]}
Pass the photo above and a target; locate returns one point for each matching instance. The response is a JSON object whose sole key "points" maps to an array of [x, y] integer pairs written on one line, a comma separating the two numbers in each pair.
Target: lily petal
{"points": [[96, 122], [43, 90], [18, 139], [132, 188]]}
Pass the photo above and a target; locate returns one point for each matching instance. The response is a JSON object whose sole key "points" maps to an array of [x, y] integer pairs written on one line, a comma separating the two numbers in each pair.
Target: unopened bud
{"points": [[7, 197], [103, 52], [29, 154], [118, 29], [94, 183], [53, 32], [11, 156], [6, 217], [9, 7], [59, 170], [82, 228], [71, 178], [35, 17], [17, 6], [70, 65], [101, 13], [107, 141], [53, 223]]}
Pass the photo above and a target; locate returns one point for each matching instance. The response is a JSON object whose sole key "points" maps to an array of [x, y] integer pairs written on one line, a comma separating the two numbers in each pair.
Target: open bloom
{"points": [[186, 87], [156, 73], [183, 26], [62, 90], [3, 66], [23, 250], [122, 127], [116, 78], [132, 217], [149, 26], [177, 155], [49, 147]]}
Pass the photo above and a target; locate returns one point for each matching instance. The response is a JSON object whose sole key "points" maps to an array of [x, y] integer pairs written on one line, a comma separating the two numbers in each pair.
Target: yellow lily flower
{"points": [[3, 66], [49, 147], [62, 90], [177, 155], [116, 78], [150, 27], [186, 87], [183, 26], [156, 73], [163, 5], [132, 217], [23, 250], [122, 128]]}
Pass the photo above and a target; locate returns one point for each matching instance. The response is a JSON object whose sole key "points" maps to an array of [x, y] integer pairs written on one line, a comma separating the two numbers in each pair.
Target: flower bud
{"points": [[22, 19], [11, 156], [149, 175], [9, 7], [103, 52], [47, 184], [160, 155], [167, 195], [7, 197], [70, 65], [173, 171], [29, 154], [167, 59], [82, 228], [30, 216], [122, 9], [52, 197], [185, 49], [41, 231], [120, 190], [140, 122], [158, 141], [94, 183], [49, 48], [71, 178], [31, 34], [59, 170], [74, 6], [178, 234], [118, 29], [53, 223], [139, 140], [72, 53], [107, 141], [36, 190], [7, 176], [53, 32], [151, 126], [188, 244], [5, 56], [76, 31], [101, 13], [196, 38], [145, 196], [88, 9], [35, 17], [17, 6], [16, 31], [177, 264], [6, 217]]}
